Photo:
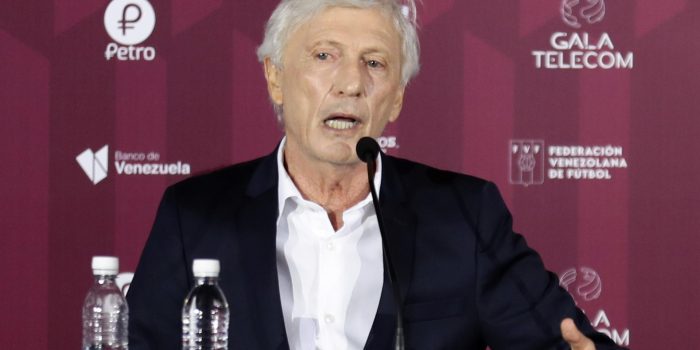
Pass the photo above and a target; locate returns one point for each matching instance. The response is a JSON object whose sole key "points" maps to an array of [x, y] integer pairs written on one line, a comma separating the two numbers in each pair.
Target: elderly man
{"points": [[297, 235]]}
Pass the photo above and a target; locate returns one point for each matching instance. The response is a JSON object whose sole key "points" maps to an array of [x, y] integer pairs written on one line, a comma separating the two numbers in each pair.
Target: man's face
{"points": [[340, 80]]}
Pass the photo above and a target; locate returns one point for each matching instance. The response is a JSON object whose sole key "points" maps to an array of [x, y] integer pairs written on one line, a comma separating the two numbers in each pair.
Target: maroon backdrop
{"points": [[513, 91]]}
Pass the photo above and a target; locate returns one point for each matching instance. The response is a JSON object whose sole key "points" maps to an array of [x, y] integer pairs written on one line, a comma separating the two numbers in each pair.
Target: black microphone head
{"points": [[367, 148]]}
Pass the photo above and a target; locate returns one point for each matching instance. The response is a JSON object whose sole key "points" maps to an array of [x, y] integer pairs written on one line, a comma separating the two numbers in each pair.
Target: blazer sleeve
{"points": [[520, 303], [160, 284]]}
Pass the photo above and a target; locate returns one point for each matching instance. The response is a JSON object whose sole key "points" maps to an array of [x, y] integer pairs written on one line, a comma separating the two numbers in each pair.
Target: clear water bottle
{"points": [[105, 312], [205, 313]]}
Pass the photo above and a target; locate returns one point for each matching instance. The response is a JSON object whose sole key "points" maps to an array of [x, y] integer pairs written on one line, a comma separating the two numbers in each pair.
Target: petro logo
{"points": [[586, 281], [573, 12], [94, 164], [129, 22]]}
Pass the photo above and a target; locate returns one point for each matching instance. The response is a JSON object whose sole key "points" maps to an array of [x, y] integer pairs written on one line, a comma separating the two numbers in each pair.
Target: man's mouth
{"points": [[341, 122]]}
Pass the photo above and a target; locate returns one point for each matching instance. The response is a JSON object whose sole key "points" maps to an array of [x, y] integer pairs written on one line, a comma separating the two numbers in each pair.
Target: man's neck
{"points": [[334, 187]]}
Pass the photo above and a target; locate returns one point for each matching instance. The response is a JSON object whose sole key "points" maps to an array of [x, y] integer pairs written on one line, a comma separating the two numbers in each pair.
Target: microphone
{"points": [[367, 147], [367, 150]]}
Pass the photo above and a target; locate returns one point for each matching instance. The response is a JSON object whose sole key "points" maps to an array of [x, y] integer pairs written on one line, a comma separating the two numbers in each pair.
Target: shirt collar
{"points": [[287, 189]]}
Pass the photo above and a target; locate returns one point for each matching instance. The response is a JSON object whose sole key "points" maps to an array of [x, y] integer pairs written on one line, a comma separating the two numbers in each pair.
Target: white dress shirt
{"points": [[330, 281]]}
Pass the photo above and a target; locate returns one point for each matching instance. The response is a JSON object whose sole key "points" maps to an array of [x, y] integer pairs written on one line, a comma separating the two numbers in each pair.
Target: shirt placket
{"points": [[331, 286]]}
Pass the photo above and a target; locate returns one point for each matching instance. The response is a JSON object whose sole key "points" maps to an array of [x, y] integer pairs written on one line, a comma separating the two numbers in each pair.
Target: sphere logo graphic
{"points": [[585, 283], [129, 22], [574, 12]]}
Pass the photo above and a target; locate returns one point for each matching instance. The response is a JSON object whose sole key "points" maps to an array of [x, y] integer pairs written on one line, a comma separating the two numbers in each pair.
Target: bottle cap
{"points": [[105, 265], [206, 268]]}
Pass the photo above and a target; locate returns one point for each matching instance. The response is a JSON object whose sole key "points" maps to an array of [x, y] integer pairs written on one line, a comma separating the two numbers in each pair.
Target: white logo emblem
{"points": [[592, 12], [94, 164], [586, 282], [129, 22], [124, 281], [387, 143], [526, 162]]}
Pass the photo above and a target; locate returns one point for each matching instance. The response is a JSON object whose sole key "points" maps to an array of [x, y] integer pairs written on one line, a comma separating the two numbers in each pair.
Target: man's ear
{"points": [[273, 75], [398, 104]]}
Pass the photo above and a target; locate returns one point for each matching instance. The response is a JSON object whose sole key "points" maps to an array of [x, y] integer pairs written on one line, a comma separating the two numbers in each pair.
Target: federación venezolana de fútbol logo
{"points": [[580, 49], [531, 162], [526, 162], [129, 23]]}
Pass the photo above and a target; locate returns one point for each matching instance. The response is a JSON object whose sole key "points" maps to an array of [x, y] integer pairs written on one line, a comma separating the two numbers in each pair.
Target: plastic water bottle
{"points": [[205, 313], [105, 312]]}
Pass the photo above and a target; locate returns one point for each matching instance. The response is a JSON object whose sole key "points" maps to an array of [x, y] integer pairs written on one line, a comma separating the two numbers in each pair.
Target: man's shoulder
{"points": [[437, 192], [415, 175], [230, 180]]}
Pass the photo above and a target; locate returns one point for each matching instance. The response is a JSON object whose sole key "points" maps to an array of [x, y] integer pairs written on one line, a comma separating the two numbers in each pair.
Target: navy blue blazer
{"points": [[467, 279]]}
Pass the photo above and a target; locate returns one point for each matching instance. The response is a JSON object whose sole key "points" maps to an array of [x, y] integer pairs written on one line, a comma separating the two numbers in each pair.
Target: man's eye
{"points": [[323, 56], [374, 64]]}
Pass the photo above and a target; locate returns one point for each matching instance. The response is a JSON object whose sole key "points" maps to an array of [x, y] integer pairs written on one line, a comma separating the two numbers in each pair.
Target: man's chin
{"points": [[340, 155], [344, 161]]}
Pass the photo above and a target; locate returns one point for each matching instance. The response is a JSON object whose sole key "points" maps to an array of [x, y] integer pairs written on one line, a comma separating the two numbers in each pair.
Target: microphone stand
{"points": [[368, 156]]}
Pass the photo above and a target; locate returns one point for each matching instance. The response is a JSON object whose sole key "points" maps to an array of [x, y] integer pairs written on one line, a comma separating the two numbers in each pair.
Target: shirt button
{"points": [[330, 246], [329, 318]]}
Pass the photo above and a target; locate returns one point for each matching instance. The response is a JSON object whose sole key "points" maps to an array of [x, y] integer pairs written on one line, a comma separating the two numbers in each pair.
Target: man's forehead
{"points": [[335, 24]]}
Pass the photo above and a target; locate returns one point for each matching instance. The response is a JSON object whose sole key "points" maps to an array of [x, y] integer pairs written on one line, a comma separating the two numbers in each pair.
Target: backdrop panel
{"points": [[586, 120]]}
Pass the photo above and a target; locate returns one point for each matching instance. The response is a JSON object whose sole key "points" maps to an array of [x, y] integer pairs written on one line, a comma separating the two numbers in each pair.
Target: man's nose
{"points": [[349, 80]]}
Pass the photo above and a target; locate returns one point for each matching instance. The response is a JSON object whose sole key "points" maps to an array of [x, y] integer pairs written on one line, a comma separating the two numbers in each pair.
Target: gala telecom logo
{"points": [[580, 49], [573, 12], [94, 164], [584, 283]]}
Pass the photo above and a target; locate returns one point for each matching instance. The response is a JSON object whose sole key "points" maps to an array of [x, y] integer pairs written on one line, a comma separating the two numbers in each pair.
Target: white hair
{"points": [[290, 14]]}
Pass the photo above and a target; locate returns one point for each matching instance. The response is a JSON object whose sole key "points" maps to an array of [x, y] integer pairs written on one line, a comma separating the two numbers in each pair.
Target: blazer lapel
{"points": [[256, 233], [399, 223]]}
